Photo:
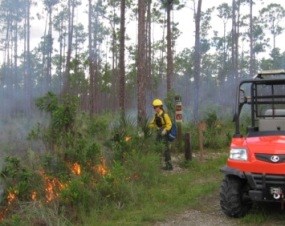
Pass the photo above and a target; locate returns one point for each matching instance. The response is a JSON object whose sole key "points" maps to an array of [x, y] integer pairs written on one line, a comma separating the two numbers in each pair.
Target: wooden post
{"points": [[187, 147]]}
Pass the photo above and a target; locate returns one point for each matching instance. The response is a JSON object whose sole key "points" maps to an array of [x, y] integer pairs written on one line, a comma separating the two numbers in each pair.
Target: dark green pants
{"points": [[166, 153]]}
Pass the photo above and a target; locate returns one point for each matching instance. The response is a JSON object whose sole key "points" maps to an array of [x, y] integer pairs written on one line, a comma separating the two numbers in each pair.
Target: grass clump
{"points": [[36, 213]]}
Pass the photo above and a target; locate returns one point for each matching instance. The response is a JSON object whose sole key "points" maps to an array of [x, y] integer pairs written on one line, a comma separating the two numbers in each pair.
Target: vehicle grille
{"points": [[268, 158], [265, 180]]}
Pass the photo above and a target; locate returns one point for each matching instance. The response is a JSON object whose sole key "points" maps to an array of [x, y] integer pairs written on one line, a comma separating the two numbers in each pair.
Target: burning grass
{"points": [[81, 170], [11, 197], [101, 168], [48, 188], [52, 187], [76, 169]]}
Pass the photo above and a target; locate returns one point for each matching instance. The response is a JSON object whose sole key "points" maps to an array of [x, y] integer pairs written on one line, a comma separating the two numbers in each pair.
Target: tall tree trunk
{"points": [[16, 53], [149, 48], [197, 61], [251, 61], [234, 41], [141, 62], [7, 63], [160, 91], [27, 74], [237, 40], [169, 48], [66, 85], [15, 81], [44, 84], [91, 60], [49, 48], [122, 62], [115, 72], [96, 97], [61, 40]]}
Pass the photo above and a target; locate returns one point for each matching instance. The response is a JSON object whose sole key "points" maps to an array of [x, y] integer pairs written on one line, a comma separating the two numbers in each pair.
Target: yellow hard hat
{"points": [[157, 102]]}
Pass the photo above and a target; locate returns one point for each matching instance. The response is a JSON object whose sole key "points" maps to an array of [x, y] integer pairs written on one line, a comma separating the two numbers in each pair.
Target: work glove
{"points": [[163, 132], [140, 134]]}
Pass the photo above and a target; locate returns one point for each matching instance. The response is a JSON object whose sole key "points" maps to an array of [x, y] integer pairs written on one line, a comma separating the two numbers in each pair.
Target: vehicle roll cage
{"points": [[256, 98]]}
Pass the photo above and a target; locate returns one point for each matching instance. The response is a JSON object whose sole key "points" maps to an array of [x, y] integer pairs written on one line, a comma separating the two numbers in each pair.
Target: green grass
{"points": [[197, 187], [265, 214], [175, 193]]}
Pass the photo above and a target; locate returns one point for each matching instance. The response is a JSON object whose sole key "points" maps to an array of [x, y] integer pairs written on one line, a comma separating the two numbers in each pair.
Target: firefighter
{"points": [[162, 122]]}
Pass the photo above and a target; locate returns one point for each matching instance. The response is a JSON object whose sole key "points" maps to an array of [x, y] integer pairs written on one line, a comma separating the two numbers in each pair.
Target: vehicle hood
{"points": [[263, 144]]}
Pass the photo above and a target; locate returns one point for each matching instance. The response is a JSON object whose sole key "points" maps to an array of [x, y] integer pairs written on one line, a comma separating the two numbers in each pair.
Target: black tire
{"points": [[234, 199]]}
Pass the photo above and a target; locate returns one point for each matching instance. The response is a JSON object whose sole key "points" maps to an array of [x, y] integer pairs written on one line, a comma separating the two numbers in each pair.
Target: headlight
{"points": [[238, 154]]}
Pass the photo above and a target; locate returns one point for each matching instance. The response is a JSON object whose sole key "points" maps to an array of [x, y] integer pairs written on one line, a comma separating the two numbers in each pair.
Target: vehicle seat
{"points": [[275, 112], [274, 120]]}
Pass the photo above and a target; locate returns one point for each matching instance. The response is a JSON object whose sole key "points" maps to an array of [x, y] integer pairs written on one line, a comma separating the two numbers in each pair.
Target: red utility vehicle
{"points": [[255, 169]]}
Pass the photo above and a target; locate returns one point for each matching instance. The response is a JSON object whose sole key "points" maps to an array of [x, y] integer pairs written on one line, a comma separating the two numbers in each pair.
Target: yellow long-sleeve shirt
{"points": [[161, 120]]}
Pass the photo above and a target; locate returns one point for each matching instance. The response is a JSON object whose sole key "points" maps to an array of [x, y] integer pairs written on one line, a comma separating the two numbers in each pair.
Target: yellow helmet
{"points": [[157, 102]]}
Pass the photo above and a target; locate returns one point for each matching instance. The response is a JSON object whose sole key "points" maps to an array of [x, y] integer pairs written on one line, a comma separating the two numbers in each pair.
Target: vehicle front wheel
{"points": [[234, 199]]}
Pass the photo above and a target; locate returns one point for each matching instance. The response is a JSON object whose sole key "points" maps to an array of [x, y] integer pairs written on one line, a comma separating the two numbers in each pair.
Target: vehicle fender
{"points": [[231, 171]]}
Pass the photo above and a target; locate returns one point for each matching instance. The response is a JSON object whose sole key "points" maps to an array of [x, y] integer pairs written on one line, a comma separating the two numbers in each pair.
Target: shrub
{"points": [[99, 125], [113, 188], [63, 114], [143, 167], [19, 181], [216, 136], [78, 193]]}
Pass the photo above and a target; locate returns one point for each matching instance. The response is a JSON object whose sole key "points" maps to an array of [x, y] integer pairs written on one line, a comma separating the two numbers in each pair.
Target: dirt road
{"points": [[210, 215], [207, 214]]}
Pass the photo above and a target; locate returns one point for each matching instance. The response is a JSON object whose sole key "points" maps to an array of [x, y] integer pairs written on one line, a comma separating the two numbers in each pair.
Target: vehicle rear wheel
{"points": [[234, 199]]}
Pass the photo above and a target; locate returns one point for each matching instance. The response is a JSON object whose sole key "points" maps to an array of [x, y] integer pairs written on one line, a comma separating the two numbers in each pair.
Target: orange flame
{"points": [[52, 187], [76, 169], [101, 168], [128, 138], [11, 197], [3, 214], [34, 195]]}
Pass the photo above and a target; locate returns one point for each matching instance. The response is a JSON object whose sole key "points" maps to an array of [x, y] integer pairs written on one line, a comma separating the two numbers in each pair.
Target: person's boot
{"points": [[168, 166]]}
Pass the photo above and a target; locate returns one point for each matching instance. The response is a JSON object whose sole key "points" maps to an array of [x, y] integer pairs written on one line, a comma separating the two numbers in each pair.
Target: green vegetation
{"points": [[217, 135], [173, 193], [99, 171]]}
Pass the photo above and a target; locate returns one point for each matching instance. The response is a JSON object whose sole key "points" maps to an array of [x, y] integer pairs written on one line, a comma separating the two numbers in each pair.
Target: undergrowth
{"points": [[98, 169], [216, 135], [171, 195]]}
